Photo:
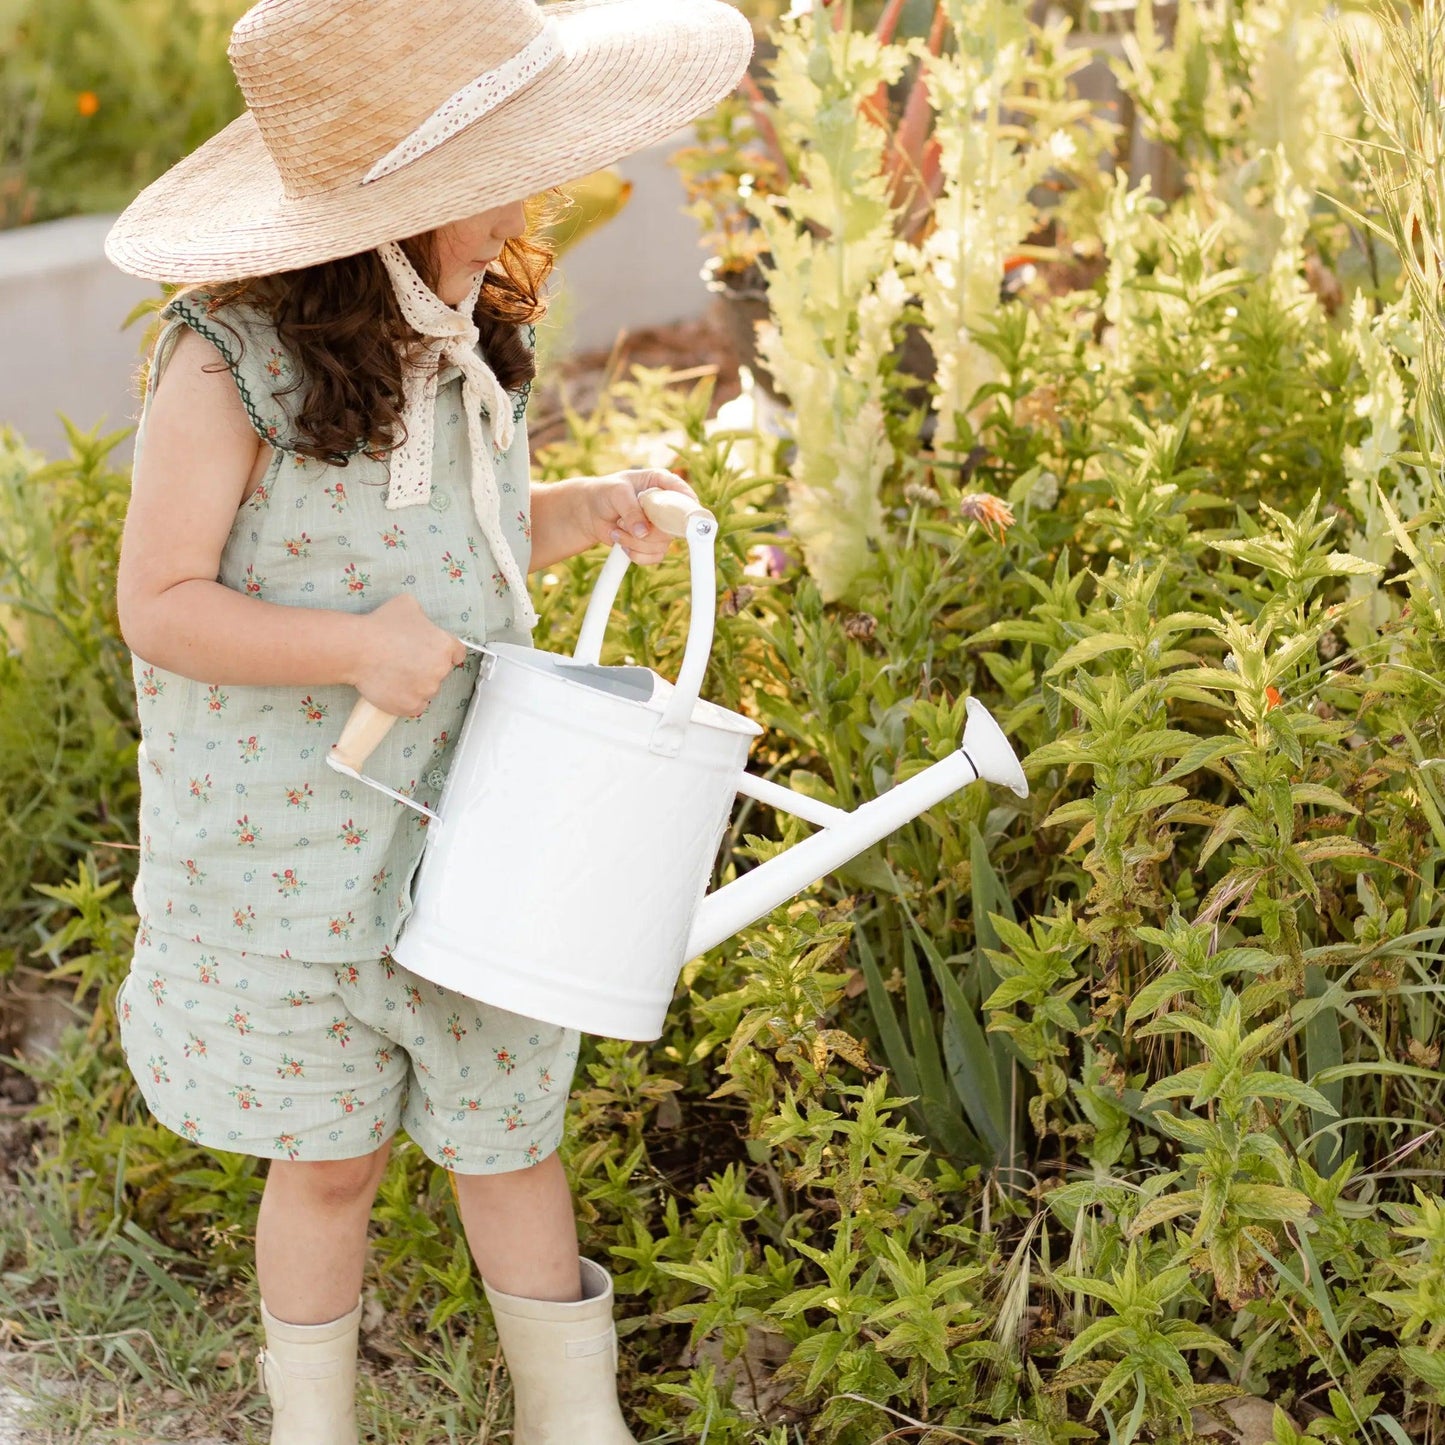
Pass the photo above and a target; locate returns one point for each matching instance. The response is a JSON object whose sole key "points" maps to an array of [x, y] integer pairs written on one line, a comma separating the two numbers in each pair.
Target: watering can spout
{"points": [[984, 755]]}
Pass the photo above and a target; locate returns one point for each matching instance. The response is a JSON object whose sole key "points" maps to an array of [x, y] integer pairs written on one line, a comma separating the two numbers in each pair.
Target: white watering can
{"points": [[566, 866]]}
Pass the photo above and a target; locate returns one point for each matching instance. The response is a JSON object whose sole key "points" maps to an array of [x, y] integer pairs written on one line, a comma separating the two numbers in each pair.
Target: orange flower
{"points": [[1273, 697], [991, 513], [87, 103]]}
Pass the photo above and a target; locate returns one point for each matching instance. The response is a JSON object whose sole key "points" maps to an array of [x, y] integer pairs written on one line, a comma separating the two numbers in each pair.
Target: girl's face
{"points": [[465, 248]]}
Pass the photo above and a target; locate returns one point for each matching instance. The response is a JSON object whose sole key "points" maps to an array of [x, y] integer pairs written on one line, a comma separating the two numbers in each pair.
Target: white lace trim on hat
{"points": [[454, 338], [473, 101]]}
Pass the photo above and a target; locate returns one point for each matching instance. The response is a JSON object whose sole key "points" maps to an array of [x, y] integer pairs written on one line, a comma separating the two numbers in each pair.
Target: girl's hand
{"points": [[611, 512], [406, 657]]}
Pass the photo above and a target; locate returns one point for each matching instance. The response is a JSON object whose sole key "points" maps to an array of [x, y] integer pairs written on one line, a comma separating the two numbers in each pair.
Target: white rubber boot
{"points": [[309, 1372], [563, 1362]]}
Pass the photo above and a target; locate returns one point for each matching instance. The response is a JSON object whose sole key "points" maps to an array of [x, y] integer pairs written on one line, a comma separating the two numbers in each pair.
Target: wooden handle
{"points": [[362, 734], [670, 511]]}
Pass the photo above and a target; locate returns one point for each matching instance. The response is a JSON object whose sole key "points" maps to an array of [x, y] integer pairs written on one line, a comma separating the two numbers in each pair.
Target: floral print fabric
{"points": [[248, 840], [263, 1013], [302, 1060]]}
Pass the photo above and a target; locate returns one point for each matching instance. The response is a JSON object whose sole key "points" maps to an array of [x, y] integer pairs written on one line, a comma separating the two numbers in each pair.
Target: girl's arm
{"points": [[570, 516], [200, 459]]}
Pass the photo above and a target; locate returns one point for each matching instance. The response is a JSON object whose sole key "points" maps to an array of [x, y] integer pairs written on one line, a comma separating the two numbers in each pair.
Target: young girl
{"points": [[331, 489]]}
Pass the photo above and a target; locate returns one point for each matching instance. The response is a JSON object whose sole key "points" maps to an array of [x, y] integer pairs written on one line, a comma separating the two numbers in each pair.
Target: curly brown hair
{"points": [[340, 323]]}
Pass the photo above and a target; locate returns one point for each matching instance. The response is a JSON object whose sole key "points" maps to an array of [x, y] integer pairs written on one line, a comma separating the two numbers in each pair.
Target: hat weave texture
{"points": [[333, 87]]}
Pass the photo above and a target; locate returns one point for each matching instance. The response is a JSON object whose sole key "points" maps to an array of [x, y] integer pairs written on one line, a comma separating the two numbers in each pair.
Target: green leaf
{"points": [[895, 1048], [969, 1055], [1202, 753], [1269, 1201], [1429, 1366], [1324, 1049], [1266, 1084], [1378, 1066], [936, 1098], [968, 1051], [1318, 793], [1089, 649]]}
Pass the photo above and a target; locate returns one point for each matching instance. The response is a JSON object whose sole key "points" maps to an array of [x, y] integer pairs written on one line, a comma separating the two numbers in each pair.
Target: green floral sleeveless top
{"points": [[248, 839]]}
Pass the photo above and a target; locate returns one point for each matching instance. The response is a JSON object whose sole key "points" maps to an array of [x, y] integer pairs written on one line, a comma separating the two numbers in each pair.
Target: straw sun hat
{"points": [[371, 120]]}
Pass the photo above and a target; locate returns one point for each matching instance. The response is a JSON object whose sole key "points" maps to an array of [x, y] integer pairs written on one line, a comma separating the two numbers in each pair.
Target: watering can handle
{"points": [[362, 735], [669, 511], [682, 516]]}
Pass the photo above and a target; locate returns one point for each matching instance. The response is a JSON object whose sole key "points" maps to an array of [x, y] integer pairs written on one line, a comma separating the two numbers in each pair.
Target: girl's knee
{"points": [[333, 1183]]}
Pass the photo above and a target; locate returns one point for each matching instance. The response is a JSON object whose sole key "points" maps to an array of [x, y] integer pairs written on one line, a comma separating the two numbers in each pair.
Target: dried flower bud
{"points": [[1425, 1055], [1325, 284], [991, 513], [1330, 646], [735, 599], [921, 495], [860, 626]]}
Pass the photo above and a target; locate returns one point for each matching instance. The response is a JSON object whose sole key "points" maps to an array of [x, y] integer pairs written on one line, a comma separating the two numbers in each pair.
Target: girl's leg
{"points": [[310, 1253], [311, 1236], [553, 1312], [521, 1230]]}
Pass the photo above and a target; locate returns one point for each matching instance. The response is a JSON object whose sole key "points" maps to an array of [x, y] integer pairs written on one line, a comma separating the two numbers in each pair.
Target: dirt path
{"points": [[12, 1416]]}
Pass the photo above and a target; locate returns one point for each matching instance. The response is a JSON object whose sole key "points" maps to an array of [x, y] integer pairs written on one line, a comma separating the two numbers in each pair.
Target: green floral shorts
{"points": [[301, 1061]]}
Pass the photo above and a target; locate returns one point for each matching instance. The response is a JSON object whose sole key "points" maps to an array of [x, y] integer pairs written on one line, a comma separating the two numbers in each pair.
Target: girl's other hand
{"points": [[405, 657], [611, 512]]}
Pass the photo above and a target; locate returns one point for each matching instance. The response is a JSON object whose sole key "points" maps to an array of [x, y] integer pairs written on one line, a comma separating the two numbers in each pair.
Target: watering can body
{"points": [[566, 867], [572, 901]]}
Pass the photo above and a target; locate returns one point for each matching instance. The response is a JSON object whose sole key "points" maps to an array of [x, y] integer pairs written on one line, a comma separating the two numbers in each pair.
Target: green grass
{"points": [[117, 1337]]}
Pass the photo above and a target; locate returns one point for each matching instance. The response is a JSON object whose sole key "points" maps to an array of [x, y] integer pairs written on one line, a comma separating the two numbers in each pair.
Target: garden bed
{"points": [[1059, 1117]]}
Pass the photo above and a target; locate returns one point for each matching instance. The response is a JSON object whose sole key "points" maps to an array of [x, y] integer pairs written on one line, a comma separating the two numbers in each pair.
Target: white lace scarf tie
{"points": [[455, 339]]}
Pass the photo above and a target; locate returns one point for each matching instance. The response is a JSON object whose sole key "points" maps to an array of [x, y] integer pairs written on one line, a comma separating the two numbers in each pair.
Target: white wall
{"points": [[642, 267], [61, 346], [62, 302]]}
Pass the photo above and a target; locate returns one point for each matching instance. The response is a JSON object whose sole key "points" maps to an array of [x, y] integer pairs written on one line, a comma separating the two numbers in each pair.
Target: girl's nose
{"points": [[511, 222]]}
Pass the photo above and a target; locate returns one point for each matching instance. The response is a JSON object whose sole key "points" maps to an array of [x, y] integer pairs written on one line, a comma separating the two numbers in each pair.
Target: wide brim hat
{"points": [[366, 123]]}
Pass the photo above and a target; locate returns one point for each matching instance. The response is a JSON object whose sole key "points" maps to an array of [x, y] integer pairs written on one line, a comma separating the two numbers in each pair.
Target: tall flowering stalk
{"points": [[1385, 346], [1252, 98], [1400, 81], [834, 289], [1003, 70], [857, 237], [984, 212], [1125, 228]]}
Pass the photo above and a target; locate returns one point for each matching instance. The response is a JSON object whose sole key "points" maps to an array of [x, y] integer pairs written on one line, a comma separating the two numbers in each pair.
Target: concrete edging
{"points": [[62, 303]]}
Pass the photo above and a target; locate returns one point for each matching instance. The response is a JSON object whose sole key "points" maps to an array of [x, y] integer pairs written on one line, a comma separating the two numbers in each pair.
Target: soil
{"points": [[17, 1091], [692, 349]]}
